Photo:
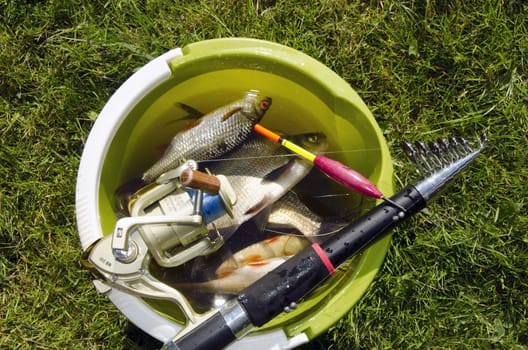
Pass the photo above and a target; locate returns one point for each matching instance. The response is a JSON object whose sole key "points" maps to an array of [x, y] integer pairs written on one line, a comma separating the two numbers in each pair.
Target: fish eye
{"points": [[264, 105], [313, 139]]}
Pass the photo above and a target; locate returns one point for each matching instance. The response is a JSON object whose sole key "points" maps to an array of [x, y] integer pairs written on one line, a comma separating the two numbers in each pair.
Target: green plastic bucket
{"points": [[307, 96]]}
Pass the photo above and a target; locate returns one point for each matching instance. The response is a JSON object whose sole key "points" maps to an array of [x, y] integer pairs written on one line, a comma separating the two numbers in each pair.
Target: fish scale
{"points": [[212, 135], [260, 173], [290, 213], [248, 265]]}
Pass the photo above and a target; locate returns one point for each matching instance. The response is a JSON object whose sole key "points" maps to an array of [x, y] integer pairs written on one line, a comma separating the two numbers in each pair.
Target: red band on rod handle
{"points": [[327, 263]]}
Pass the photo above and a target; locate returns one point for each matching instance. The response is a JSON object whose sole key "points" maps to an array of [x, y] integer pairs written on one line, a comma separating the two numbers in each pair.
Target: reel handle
{"points": [[200, 181]]}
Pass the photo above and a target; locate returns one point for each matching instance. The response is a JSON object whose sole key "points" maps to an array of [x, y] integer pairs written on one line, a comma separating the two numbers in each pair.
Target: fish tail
{"points": [[213, 286], [124, 193], [130, 186], [327, 228]]}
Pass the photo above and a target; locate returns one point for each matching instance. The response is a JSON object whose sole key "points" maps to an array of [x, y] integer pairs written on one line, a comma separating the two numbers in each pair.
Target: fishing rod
{"points": [[281, 289]]}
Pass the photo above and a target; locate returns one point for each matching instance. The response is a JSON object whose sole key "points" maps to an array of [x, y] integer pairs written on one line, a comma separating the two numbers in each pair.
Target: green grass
{"points": [[455, 275]]}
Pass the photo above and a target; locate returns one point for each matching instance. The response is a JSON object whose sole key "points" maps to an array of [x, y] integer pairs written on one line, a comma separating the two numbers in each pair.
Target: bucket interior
{"points": [[307, 97]]}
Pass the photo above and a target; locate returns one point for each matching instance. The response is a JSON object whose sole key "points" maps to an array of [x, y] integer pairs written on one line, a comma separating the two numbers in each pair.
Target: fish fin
{"points": [[226, 273], [226, 267], [130, 186], [261, 218], [257, 262], [276, 174], [257, 208], [330, 227], [229, 113], [273, 239], [199, 268], [192, 124], [295, 244], [191, 116], [193, 112], [162, 149]]}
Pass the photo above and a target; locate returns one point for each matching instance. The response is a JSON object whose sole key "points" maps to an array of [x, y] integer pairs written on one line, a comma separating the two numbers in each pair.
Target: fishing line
{"points": [[331, 195], [285, 155], [351, 151], [302, 234], [247, 158]]}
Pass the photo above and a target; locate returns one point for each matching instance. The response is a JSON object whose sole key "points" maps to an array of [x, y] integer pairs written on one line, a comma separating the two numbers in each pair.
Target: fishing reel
{"points": [[171, 217], [168, 222]]}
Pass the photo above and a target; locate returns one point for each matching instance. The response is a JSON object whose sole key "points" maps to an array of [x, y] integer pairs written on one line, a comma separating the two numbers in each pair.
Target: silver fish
{"points": [[290, 213], [213, 134], [260, 173]]}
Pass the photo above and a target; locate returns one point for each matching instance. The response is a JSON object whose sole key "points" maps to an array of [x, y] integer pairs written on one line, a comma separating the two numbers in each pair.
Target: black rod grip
{"points": [[377, 222], [295, 278], [214, 333], [286, 284]]}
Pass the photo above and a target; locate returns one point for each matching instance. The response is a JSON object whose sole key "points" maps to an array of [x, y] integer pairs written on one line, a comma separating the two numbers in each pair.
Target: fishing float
{"points": [[332, 168]]}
